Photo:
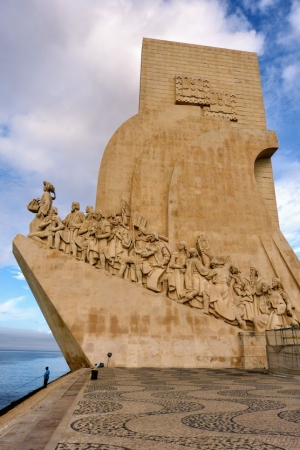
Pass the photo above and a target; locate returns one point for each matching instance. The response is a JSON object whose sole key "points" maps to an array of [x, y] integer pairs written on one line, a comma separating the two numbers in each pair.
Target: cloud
{"points": [[70, 76], [22, 339], [18, 275], [15, 309], [262, 6], [287, 196], [294, 20]]}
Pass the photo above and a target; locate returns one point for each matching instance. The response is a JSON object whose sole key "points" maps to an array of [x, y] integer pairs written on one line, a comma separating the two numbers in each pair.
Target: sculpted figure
{"points": [[219, 300], [195, 282], [291, 319], [277, 318], [99, 235], [118, 246], [262, 307], [203, 249], [41, 206], [46, 199], [72, 224], [177, 269], [156, 256], [111, 216], [48, 227], [81, 241], [134, 261], [241, 297]]}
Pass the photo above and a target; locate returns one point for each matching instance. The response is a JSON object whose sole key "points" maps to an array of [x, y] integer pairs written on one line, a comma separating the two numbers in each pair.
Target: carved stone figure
{"points": [[277, 306], [177, 269], [41, 206], [99, 235], [219, 300], [290, 308], [204, 249], [134, 261], [195, 281], [211, 284], [156, 256], [242, 297], [48, 227], [72, 224], [46, 199], [118, 247], [262, 310], [81, 241]]}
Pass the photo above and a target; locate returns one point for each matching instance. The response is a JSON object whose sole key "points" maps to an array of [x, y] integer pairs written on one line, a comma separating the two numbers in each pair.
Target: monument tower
{"points": [[192, 264]]}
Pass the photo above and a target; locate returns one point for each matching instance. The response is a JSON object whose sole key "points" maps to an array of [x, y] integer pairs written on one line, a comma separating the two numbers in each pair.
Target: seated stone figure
{"points": [[48, 227], [72, 224]]}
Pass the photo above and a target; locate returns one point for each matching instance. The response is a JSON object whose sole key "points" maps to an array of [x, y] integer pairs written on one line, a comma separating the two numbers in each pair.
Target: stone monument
{"points": [[181, 263]]}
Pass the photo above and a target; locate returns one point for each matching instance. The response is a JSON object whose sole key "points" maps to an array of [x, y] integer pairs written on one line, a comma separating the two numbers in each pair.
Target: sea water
{"points": [[22, 372]]}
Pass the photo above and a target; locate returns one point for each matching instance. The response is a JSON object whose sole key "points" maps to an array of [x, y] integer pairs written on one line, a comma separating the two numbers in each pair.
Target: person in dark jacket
{"points": [[46, 376]]}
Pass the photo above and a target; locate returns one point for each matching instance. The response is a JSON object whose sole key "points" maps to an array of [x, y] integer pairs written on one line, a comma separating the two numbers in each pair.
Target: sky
{"points": [[70, 77]]}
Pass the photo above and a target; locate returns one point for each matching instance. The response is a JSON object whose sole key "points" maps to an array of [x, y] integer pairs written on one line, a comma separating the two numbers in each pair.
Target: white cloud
{"points": [[70, 76], [294, 19], [264, 4], [24, 339], [18, 275], [287, 195], [13, 309], [291, 76], [259, 5]]}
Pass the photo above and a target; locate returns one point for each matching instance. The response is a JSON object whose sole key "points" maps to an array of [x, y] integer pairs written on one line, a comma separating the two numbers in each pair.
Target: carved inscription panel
{"points": [[197, 91]]}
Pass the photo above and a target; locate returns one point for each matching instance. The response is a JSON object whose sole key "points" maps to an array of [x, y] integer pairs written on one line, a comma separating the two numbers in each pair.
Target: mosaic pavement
{"points": [[184, 409]]}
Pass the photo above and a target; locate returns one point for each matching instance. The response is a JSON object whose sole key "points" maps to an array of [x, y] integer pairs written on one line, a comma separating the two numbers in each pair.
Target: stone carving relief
{"points": [[119, 243], [197, 91]]}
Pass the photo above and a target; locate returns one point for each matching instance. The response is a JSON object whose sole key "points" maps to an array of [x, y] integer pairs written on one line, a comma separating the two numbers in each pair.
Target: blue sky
{"points": [[70, 76]]}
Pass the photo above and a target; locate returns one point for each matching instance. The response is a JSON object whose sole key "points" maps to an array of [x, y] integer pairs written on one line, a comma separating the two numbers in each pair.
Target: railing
{"points": [[283, 351]]}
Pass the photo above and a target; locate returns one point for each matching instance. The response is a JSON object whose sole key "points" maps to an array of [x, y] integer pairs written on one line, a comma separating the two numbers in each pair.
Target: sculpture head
{"points": [[89, 209], [276, 283], [234, 270], [53, 210], [182, 245], [214, 262], [193, 253], [75, 206], [48, 187], [253, 271], [265, 288], [97, 215], [153, 236]]}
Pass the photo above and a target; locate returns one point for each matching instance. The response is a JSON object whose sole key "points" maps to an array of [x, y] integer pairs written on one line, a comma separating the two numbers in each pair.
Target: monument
{"points": [[181, 263]]}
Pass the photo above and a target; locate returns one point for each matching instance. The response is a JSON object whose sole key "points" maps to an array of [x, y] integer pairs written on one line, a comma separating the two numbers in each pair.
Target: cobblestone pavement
{"points": [[182, 409]]}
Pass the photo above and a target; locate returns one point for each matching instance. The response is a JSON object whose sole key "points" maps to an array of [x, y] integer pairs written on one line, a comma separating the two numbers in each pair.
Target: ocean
{"points": [[21, 371]]}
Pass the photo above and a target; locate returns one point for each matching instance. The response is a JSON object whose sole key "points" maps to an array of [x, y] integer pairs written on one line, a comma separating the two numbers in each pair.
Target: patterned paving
{"points": [[178, 409]]}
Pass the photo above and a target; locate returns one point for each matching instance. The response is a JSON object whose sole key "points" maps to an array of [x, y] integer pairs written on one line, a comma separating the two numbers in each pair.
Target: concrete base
{"points": [[253, 350], [92, 312]]}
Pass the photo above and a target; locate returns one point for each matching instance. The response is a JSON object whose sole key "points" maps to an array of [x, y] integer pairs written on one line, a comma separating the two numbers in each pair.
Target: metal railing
{"points": [[283, 351]]}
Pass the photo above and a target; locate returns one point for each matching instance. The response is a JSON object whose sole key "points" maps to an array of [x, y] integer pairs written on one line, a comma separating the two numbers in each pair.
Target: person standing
{"points": [[46, 376]]}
